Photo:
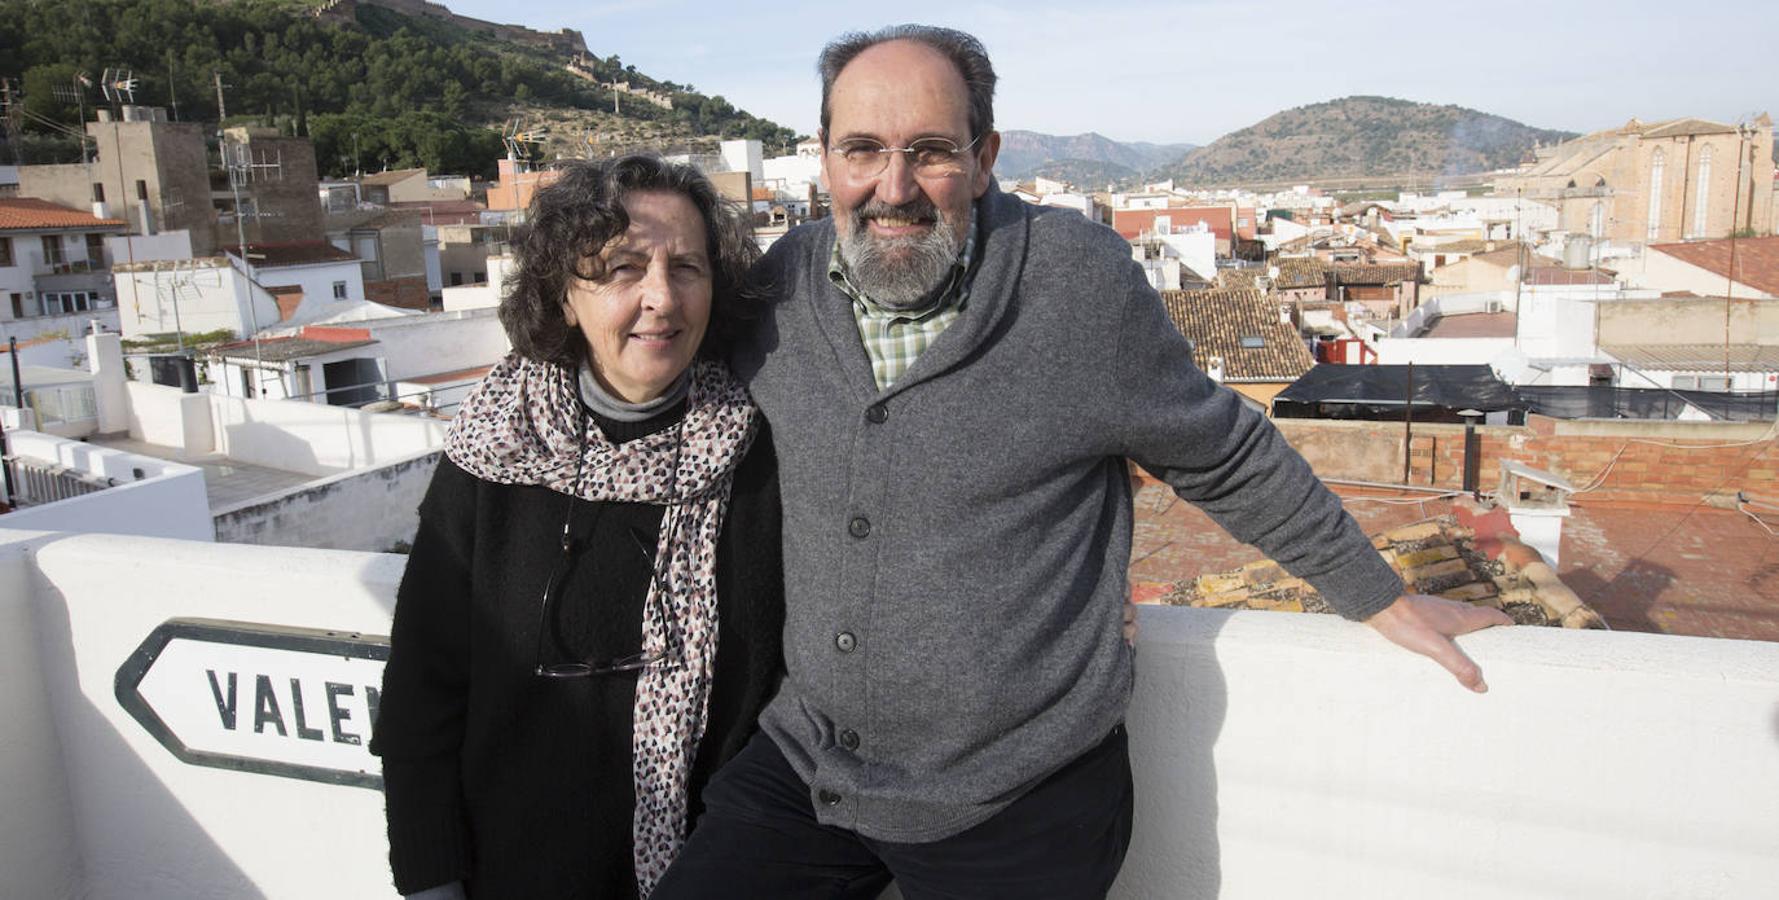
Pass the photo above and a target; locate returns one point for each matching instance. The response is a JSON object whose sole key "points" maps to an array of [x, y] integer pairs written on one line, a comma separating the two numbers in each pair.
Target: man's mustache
{"points": [[917, 210]]}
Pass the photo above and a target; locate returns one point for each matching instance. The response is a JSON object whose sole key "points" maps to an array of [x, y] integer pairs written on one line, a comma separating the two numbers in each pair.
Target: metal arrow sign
{"points": [[266, 699]]}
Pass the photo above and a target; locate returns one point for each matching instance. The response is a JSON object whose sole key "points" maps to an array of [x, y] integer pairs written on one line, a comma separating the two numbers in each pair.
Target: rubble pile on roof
{"points": [[1481, 563]]}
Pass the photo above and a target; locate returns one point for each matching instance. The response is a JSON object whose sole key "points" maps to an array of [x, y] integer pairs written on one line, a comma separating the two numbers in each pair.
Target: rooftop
{"points": [[393, 176], [291, 253], [1468, 245], [1242, 328], [474, 373], [227, 482], [282, 349], [1676, 568], [1557, 275], [1310, 272], [1697, 357], [1471, 558], [1757, 259], [1474, 325], [32, 214]]}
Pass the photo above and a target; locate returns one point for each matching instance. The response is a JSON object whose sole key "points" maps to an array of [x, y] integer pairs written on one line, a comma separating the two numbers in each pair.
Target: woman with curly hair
{"points": [[589, 621]]}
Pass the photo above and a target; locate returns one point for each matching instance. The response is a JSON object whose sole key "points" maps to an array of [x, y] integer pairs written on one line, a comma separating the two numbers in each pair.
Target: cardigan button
{"points": [[859, 527], [849, 739], [876, 413], [827, 797], [845, 641]]}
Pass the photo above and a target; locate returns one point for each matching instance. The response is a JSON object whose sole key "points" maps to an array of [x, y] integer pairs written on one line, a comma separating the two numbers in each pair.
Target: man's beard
{"points": [[900, 273]]}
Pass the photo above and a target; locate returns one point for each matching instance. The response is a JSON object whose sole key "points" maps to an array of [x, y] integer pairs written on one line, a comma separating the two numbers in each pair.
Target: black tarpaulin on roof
{"points": [[1608, 402], [1379, 392]]}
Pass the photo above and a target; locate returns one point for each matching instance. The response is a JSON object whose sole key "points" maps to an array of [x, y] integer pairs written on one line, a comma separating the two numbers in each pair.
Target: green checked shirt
{"points": [[894, 339]]}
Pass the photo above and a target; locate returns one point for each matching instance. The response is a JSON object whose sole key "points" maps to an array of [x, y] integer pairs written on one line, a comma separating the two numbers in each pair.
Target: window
{"points": [[141, 190], [1656, 165], [52, 250], [98, 192], [59, 303], [1703, 193], [6, 252], [456, 278], [364, 246], [481, 277], [339, 290], [1685, 383], [1253, 342], [95, 250], [1714, 382], [18, 306]]}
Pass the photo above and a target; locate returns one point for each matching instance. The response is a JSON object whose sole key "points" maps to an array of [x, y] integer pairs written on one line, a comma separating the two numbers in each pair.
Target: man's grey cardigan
{"points": [[956, 547]]}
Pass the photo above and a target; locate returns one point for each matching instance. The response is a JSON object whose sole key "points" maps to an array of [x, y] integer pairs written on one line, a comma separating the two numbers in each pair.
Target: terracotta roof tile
{"points": [[1470, 561], [1471, 245], [280, 349], [1548, 275], [19, 213], [1309, 272], [1218, 321], [1757, 259]]}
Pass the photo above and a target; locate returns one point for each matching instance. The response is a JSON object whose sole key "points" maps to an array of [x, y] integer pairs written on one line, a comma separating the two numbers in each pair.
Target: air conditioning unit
{"points": [[1493, 306]]}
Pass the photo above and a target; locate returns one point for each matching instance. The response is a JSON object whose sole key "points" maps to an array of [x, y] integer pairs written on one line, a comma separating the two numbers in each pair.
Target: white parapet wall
{"points": [[317, 439], [125, 816], [365, 509], [296, 436], [1283, 755], [168, 417], [148, 496], [1276, 755]]}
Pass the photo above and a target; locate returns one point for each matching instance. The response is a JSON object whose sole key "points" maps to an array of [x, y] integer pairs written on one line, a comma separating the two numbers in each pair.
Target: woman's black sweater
{"points": [[520, 785]]}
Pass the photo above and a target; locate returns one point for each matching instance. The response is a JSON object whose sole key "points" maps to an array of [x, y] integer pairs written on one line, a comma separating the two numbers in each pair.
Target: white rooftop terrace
{"points": [[1275, 755]]}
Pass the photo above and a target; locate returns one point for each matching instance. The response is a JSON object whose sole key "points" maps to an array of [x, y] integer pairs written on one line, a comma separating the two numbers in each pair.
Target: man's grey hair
{"points": [[963, 50]]}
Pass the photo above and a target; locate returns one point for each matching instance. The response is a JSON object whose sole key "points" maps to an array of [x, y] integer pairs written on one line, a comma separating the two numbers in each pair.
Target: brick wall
{"points": [[407, 293], [1660, 464]]}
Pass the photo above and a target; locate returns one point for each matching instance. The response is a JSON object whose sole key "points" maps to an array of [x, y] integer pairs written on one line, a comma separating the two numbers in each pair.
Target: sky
{"points": [[1189, 72]]}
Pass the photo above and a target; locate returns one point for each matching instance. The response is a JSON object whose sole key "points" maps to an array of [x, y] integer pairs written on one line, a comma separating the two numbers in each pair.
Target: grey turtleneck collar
{"points": [[601, 401]]}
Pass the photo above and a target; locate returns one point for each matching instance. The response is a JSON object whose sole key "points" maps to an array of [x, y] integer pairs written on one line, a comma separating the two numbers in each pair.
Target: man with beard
{"points": [[955, 382]]}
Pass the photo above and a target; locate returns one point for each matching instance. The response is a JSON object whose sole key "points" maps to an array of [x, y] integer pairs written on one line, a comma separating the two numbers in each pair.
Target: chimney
{"points": [[1537, 502]]}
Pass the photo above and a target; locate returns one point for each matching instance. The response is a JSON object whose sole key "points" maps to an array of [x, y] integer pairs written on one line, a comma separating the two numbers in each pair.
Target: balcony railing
{"points": [[1275, 755], [36, 482]]}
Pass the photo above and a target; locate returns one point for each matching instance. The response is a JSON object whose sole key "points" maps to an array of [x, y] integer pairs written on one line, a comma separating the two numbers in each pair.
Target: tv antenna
{"points": [[119, 86], [75, 92], [520, 139]]}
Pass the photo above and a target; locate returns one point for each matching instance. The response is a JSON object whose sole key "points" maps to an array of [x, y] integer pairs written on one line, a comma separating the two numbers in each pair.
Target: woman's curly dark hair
{"points": [[573, 218]]}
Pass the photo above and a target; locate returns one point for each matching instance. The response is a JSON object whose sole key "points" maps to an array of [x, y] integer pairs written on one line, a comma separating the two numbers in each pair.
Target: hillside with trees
{"points": [[378, 89], [1361, 136]]}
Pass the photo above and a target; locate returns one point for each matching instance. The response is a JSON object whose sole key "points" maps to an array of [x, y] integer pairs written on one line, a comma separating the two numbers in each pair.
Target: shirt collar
{"points": [[956, 289]]}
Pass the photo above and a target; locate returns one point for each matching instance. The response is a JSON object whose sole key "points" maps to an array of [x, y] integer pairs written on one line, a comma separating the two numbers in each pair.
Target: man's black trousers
{"points": [[758, 837]]}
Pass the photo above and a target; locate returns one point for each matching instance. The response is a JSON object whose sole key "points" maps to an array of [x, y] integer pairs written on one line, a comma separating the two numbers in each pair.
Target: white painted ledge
{"points": [[1276, 755]]}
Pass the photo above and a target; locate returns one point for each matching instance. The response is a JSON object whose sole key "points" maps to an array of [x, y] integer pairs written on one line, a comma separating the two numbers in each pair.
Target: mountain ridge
{"points": [[1361, 135]]}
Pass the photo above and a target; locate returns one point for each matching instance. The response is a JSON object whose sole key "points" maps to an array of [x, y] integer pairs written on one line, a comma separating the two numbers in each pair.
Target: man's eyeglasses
{"points": [[931, 157]]}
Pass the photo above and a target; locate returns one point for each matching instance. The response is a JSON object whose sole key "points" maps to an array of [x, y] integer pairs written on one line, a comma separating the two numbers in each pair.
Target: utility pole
{"points": [[172, 92], [222, 110]]}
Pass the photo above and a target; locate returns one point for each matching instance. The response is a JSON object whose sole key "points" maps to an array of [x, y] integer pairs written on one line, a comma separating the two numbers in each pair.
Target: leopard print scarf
{"points": [[522, 425]]}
